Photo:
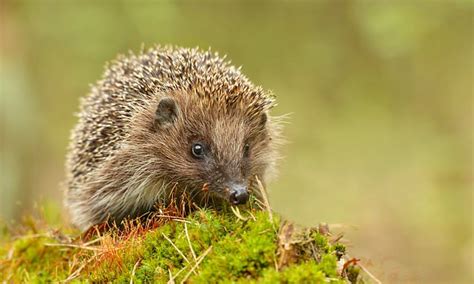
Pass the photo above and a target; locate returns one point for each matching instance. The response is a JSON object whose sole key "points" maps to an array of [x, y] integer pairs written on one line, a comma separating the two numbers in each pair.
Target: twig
{"points": [[336, 239], [196, 265], [189, 241]]}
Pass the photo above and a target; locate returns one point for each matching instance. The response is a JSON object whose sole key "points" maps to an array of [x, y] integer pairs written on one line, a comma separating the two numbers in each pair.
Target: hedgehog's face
{"points": [[218, 153]]}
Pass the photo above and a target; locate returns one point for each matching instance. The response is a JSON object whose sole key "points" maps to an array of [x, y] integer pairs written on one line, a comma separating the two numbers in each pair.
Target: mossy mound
{"points": [[204, 247]]}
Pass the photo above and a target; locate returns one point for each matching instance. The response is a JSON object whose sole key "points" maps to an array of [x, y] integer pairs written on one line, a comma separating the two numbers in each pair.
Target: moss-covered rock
{"points": [[204, 247]]}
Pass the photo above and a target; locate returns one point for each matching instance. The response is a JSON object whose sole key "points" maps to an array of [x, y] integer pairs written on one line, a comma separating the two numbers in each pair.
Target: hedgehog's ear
{"points": [[260, 122], [263, 119], [166, 112]]}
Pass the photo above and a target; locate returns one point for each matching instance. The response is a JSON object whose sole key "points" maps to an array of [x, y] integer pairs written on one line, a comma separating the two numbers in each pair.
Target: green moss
{"points": [[353, 273], [244, 253], [31, 258], [321, 242], [340, 250], [206, 247], [307, 272]]}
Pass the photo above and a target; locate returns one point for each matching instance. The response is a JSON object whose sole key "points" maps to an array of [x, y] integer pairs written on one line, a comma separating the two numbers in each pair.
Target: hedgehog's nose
{"points": [[238, 194]]}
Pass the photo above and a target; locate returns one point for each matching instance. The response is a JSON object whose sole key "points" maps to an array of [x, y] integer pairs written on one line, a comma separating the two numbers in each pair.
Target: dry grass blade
{"points": [[176, 248], [175, 218], [259, 203], [200, 259], [369, 274], [74, 246], [189, 241], [99, 239], [236, 212], [251, 215], [265, 198], [176, 275], [11, 253], [77, 272], [134, 271], [34, 236], [171, 281]]}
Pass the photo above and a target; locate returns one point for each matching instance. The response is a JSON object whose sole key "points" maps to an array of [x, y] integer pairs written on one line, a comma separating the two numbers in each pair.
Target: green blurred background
{"points": [[380, 96]]}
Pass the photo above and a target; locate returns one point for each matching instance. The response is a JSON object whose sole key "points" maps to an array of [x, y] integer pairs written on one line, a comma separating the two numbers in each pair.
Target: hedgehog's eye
{"points": [[246, 150], [198, 150]]}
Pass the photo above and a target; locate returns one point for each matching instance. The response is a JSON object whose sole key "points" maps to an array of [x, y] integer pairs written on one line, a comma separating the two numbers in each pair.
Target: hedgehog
{"points": [[165, 120]]}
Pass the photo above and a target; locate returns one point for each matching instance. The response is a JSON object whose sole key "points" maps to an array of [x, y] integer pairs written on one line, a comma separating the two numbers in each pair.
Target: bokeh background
{"points": [[380, 95]]}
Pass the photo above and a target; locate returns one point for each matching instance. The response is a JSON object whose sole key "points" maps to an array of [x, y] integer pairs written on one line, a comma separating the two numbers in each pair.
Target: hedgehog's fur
{"points": [[120, 163]]}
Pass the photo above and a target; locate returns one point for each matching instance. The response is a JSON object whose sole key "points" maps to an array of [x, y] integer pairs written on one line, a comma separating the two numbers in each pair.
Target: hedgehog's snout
{"points": [[238, 194]]}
